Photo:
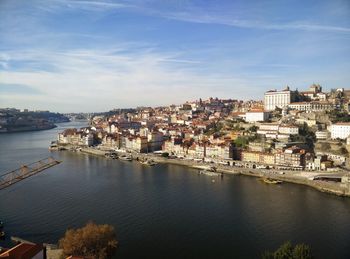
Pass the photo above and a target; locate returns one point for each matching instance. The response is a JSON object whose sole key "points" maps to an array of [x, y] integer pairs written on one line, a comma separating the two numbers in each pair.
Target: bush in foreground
{"points": [[92, 241], [287, 251]]}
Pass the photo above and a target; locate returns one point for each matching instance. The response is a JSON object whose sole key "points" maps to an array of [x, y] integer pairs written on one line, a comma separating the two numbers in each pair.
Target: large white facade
{"points": [[340, 130], [312, 106], [256, 116], [280, 99]]}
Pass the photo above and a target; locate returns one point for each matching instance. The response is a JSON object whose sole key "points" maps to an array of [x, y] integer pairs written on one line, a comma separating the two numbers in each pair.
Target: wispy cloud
{"points": [[184, 61], [207, 18], [97, 55], [191, 14], [101, 79], [56, 5]]}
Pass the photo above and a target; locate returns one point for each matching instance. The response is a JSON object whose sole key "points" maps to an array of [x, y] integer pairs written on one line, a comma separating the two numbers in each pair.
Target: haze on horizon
{"points": [[85, 56]]}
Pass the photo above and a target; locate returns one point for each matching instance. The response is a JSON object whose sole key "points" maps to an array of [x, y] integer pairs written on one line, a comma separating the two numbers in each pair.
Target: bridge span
{"points": [[25, 171]]}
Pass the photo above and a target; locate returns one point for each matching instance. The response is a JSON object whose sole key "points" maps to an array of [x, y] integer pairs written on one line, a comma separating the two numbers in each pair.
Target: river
{"points": [[166, 211]]}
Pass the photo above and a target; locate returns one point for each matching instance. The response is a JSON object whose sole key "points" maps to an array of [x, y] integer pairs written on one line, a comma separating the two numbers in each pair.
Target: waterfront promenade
{"points": [[296, 177]]}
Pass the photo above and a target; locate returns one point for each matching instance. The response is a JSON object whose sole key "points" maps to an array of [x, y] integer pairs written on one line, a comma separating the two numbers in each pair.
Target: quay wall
{"points": [[340, 189]]}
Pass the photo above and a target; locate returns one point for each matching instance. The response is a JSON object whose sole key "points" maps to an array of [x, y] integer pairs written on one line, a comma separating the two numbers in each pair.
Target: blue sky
{"points": [[72, 55]]}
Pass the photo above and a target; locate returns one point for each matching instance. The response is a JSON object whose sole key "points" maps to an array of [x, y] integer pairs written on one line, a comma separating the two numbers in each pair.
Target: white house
{"points": [[254, 116], [340, 130]]}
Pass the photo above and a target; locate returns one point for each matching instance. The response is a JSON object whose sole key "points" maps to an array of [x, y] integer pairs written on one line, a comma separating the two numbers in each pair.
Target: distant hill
{"points": [[13, 120]]}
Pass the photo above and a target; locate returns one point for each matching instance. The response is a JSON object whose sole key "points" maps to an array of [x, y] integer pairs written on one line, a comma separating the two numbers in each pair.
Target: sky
{"points": [[86, 56]]}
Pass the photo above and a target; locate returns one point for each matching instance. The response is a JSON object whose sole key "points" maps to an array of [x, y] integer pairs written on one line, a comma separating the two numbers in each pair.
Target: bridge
{"points": [[26, 171]]}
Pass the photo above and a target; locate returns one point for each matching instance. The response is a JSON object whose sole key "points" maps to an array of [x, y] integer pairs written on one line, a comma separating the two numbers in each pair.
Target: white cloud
{"points": [[207, 18], [93, 80], [4, 59], [99, 77]]}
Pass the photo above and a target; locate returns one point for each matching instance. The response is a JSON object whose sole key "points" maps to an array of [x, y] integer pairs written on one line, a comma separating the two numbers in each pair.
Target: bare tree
{"points": [[91, 241]]}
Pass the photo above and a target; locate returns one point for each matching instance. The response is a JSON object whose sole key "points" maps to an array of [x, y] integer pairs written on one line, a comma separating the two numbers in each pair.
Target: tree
{"points": [[253, 128], [325, 146], [92, 241], [342, 151], [241, 141], [302, 251], [165, 154], [216, 128], [287, 251], [305, 135], [339, 116]]}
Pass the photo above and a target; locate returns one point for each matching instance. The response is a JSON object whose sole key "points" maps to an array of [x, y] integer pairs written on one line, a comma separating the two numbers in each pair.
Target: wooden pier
{"points": [[26, 171]]}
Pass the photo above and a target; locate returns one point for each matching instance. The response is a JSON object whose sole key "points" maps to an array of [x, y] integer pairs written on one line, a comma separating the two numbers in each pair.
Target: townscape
{"points": [[174, 129], [290, 130]]}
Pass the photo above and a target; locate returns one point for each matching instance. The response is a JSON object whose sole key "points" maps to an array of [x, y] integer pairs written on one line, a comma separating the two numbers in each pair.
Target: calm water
{"points": [[166, 211]]}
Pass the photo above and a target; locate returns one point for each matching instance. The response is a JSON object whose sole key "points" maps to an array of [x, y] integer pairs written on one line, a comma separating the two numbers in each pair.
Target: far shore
{"points": [[28, 128], [296, 177]]}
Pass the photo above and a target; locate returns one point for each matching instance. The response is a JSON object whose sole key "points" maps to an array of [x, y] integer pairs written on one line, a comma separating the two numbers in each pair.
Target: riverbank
{"points": [[296, 177], [27, 128]]}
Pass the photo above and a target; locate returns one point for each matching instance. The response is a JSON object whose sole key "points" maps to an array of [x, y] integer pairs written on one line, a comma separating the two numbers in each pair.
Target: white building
{"points": [[321, 134], [280, 99], [288, 129], [277, 131], [340, 130], [269, 127], [315, 106], [155, 141], [254, 116], [89, 139]]}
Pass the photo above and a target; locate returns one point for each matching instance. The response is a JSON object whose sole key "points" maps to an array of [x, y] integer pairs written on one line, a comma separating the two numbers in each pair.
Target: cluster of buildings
{"points": [[288, 129], [178, 130], [313, 100]]}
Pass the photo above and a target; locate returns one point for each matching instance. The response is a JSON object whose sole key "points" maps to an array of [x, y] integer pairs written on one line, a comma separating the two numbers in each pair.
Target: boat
{"points": [[271, 181], [111, 155], [148, 162], [209, 173], [125, 158], [114, 156], [53, 145], [152, 163], [2, 234]]}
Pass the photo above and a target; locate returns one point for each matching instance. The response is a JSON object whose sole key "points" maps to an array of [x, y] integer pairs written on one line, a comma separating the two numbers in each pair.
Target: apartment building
{"points": [[292, 157]]}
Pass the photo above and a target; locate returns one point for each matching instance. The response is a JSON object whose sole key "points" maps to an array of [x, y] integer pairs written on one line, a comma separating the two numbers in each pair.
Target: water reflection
{"points": [[167, 210]]}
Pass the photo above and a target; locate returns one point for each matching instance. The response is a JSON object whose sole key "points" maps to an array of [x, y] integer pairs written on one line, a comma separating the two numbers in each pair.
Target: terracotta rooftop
{"points": [[22, 251], [342, 123]]}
